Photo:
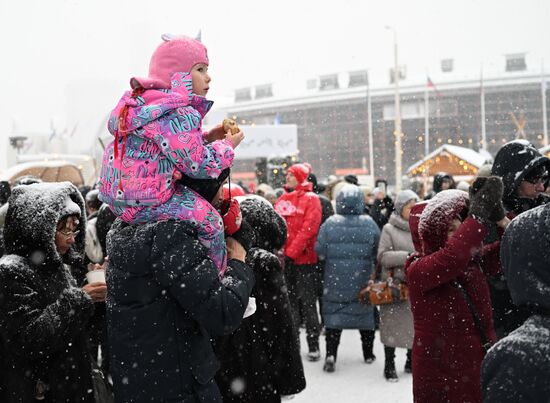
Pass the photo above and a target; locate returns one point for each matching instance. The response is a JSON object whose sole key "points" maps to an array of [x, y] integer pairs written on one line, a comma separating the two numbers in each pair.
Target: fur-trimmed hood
{"points": [[31, 221]]}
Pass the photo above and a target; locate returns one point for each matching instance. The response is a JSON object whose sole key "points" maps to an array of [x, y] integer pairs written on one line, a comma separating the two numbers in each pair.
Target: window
{"points": [[311, 84], [516, 62], [358, 78], [264, 91], [329, 82], [243, 94], [447, 65]]}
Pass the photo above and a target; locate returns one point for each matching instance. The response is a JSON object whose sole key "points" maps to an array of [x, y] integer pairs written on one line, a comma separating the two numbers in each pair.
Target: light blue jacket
{"points": [[347, 241]]}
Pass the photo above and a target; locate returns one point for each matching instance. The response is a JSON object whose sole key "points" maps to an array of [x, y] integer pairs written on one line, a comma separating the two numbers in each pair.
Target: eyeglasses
{"points": [[538, 181], [69, 234]]}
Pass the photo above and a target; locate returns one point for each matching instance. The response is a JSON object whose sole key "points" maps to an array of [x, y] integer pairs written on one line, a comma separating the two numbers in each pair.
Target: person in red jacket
{"points": [[301, 209], [449, 293]]}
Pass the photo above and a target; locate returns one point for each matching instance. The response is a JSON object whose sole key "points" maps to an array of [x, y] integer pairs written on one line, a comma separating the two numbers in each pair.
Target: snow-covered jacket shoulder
{"points": [[165, 301], [301, 210], [517, 368], [163, 134]]}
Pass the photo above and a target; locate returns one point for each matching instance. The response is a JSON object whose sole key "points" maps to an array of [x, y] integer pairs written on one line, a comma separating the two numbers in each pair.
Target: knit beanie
{"points": [[175, 55], [300, 172], [403, 198]]}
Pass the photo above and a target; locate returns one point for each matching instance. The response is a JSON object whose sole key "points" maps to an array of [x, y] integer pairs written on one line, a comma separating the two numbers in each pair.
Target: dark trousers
{"points": [[332, 337], [302, 283]]}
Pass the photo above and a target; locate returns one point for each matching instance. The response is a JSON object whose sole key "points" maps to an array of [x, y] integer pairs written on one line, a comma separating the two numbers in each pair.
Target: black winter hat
{"points": [[439, 178], [351, 179], [207, 188], [514, 161], [269, 227]]}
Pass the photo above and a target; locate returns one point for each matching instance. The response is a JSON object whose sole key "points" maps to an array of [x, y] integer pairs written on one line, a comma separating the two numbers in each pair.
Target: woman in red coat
{"points": [[301, 209], [448, 347]]}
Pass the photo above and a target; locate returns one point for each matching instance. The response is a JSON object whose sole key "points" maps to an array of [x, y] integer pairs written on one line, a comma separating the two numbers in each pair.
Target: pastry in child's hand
{"points": [[230, 124]]}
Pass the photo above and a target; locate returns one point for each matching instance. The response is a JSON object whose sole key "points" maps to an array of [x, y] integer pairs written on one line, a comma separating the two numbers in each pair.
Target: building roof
{"points": [[464, 158], [282, 98]]}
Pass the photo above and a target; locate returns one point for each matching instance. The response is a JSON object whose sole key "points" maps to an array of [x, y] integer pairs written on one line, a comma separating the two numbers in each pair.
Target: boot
{"points": [[330, 362], [389, 371], [314, 353], [408, 363], [389, 366], [367, 340]]}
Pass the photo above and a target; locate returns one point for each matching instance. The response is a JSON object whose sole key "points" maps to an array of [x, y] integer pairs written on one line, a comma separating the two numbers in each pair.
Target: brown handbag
{"points": [[379, 292]]}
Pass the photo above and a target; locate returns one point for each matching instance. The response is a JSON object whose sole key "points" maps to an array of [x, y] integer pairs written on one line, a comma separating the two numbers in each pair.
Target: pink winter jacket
{"points": [[163, 136]]}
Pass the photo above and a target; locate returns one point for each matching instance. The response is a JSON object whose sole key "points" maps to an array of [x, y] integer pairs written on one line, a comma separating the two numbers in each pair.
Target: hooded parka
{"points": [[263, 354], [43, 315], [447, 348], [517, 368], [347, 242], [513, 163]]}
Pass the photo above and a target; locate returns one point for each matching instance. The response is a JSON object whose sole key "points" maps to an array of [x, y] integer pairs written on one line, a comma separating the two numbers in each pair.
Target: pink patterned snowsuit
{"points": [[164, 140]]}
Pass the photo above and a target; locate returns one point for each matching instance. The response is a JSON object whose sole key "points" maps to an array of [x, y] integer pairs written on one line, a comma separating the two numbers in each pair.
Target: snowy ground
{"points": [[354, 381]]}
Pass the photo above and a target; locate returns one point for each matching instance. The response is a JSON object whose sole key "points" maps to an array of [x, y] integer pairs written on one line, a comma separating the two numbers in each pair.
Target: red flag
{"points": [[431, 85]]}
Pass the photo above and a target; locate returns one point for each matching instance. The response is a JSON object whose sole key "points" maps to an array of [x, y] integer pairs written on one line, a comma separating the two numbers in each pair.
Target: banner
{"points": [[267, 141]]}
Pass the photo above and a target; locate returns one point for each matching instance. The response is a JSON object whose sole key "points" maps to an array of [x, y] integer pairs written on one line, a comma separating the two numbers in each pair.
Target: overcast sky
{"points": [[68, 61]]}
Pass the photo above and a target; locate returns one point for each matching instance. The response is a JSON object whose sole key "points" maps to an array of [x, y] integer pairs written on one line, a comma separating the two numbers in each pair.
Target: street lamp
{"points": [[397, 122]]}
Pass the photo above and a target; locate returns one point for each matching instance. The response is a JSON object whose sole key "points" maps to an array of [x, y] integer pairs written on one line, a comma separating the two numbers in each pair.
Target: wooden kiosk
{"points": [[460, 162]]}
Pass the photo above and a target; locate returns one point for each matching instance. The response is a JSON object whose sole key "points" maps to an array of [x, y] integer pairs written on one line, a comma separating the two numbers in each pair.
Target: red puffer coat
{"points": [[301, 210], [447, 350]]}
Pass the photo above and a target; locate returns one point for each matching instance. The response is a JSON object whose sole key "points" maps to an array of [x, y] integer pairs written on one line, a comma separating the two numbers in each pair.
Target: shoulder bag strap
{"points": [[485, 343]]}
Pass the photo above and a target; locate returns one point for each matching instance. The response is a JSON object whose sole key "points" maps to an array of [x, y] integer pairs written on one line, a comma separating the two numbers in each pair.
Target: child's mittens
{"points": [[177, 175], [232, 217], [234, 225], [486, 199]]}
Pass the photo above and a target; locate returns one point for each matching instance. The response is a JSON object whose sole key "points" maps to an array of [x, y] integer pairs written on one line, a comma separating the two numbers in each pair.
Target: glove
{"points": [[232, 217], [486, 199]]}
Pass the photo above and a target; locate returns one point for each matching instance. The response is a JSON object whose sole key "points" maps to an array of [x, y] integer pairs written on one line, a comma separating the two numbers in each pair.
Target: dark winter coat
{"points": [[517, 368], [347, 242], [263, 354], [512, 163], [381, 211], [43, 316], [447, 348], [301, 210], [165, 301], [326, 208]]}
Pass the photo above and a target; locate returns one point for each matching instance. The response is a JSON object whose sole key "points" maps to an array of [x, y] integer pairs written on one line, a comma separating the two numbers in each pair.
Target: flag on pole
{"points": [[431, 85]]}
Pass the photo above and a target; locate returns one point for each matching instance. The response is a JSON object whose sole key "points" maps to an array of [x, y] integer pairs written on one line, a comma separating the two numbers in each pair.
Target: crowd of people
{"points": [[208, 285]]}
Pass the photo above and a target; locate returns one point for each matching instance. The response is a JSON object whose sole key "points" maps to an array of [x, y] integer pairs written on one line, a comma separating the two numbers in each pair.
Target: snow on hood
{"points": [[350, 200], [269, 227], [437, 216], [32, 217], [525, 256]]}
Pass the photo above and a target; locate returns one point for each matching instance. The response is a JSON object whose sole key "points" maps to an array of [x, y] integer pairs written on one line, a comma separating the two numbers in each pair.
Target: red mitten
{"points": [[232, 217]]}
